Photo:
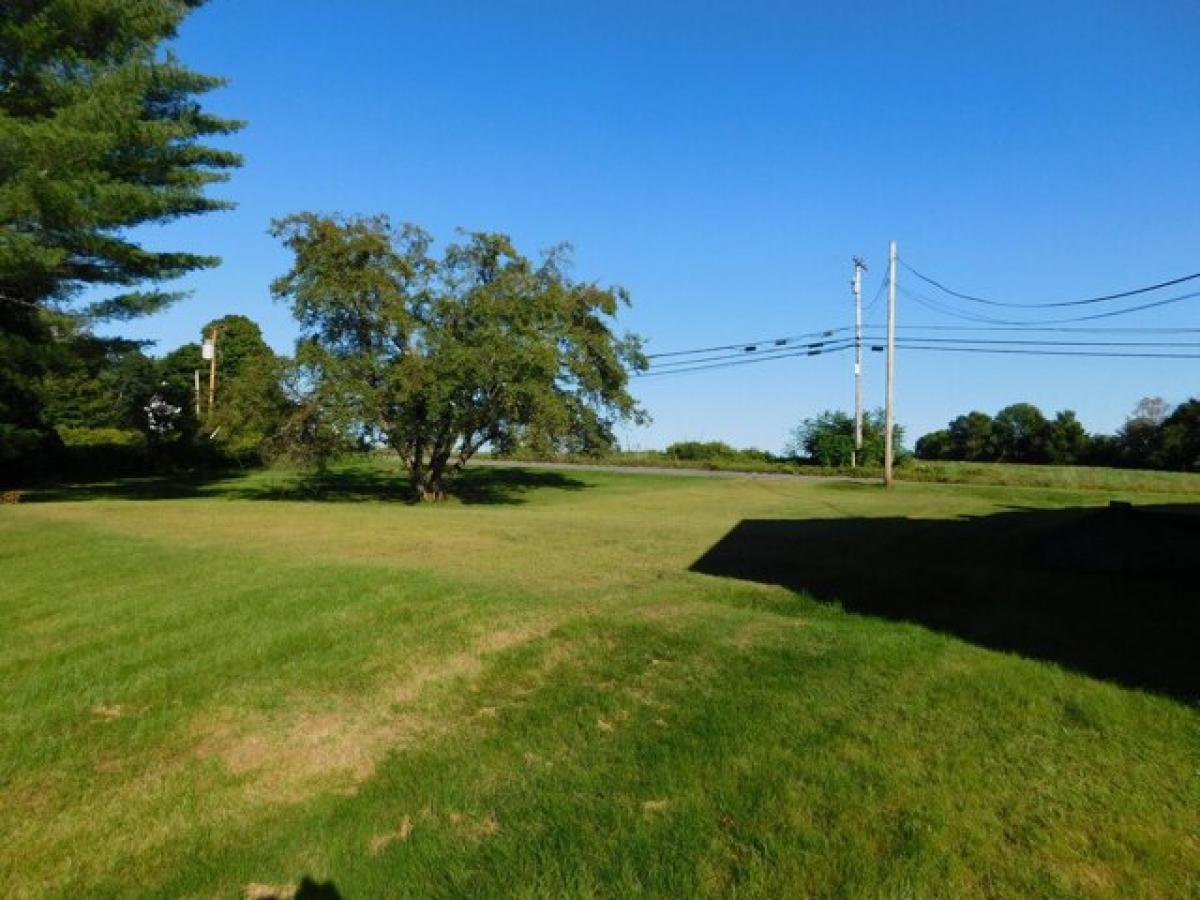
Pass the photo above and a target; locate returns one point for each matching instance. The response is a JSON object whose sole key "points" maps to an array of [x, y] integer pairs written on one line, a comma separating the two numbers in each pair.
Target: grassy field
{"points": [[594, 684], [1087, 478]]}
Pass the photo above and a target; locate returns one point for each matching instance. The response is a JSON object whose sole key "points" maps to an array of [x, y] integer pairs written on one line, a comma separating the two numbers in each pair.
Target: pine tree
{"points": [[100, 131]]}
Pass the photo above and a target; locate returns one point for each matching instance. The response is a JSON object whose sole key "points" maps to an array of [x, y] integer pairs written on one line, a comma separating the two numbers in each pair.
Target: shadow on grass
{"points": [[492, 485], [1108, 592], [150, 487], [316, 890], [489, 486]]}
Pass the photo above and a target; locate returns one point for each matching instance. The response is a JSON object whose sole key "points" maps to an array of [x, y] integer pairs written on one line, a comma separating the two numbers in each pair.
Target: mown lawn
{"points": [[593, 684], [1084, 478]]}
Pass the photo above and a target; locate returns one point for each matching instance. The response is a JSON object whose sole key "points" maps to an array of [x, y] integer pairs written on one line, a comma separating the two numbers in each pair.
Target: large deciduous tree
{"points": [[100, 132], [438, 356]]}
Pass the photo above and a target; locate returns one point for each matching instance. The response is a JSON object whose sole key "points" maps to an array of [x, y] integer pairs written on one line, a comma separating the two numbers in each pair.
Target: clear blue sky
{"points": [[724, 161]]}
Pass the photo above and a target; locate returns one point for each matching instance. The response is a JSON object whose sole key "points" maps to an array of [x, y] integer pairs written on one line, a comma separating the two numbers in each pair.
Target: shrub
{"points": [[700, 450], [101, 437]]}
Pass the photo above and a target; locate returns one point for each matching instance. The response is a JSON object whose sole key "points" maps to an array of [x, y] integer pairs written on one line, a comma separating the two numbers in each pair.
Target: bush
{"points": [[700, 450], [101, 437], [715, 451]]}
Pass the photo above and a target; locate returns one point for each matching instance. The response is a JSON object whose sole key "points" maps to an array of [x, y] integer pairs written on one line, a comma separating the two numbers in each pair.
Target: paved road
{"points": [[655, 470]]}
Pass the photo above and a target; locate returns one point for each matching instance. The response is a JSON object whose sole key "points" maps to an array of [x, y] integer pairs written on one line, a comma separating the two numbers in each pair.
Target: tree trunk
{"points": [[428, 484]]}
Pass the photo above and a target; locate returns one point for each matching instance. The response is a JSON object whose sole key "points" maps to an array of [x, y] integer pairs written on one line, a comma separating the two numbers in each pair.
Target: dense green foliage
{"points": [[828, 439], [99, 132], [101, 383], [209, 691], [1018, 433], [435, 358], [1154, 437], [712, 451], [99, 396], [250, 404]]}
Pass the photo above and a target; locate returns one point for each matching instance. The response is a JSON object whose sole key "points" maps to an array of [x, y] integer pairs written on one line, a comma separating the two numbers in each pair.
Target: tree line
{"points": [[1154, 436]]}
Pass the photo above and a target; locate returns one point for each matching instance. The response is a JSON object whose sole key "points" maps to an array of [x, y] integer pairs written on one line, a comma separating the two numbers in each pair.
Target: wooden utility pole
{"points": [[856, 285], [890, 413], [212, 371]]}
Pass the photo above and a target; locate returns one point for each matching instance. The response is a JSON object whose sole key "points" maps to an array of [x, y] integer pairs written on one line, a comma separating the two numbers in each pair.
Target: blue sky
{"points": [[724, 161]]}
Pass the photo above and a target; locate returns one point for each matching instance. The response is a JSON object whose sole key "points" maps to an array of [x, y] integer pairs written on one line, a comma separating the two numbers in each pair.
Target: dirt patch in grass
{"points": [[269, 891], [289, 756], [380, 842], [102, 712]]}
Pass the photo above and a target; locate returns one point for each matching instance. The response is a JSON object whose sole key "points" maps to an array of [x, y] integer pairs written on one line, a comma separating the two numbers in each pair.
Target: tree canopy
{"points": [[1154, 436], [99, 132], [436, 357], [828, 439], [250, 401]]}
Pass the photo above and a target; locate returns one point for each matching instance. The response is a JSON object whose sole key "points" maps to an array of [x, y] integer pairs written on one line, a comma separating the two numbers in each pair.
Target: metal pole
{"points": [[856, 284], [212, 372], [890, 414], [196, 391]]}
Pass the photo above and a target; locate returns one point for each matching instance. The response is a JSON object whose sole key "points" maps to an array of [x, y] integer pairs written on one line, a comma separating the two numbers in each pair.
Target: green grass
{"points": [[594, 684], [1083, 478]]}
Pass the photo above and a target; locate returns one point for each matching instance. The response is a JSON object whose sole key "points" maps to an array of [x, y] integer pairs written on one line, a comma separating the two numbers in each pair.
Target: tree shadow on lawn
{"points": [[484, 486], [147, 487], [1109, 592], [358, 484], [316, 890]]}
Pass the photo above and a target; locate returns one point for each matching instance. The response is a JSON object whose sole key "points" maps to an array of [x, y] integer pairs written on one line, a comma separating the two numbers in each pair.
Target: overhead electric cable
{"points": [[1098, 354], [1104, 298], [752, 346], [970, 317], [758, 354], [877, 296], [1041, 343], [1057, 329], [845, 345]]}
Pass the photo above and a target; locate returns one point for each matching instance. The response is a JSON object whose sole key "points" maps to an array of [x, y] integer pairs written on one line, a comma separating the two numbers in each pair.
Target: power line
{"points": [[816, 343], [1058, 329], [971, 317], [877, 296], [801, 349], [1101, 299], [914, 341], [1046, 343], [718, 362], [845, 345], [1098, 354], [752, 346]]}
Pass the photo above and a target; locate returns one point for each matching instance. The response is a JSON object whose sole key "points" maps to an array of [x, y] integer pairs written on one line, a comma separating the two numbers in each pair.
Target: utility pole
{"points": [[212, 371], [856, 285], [890, 414]]}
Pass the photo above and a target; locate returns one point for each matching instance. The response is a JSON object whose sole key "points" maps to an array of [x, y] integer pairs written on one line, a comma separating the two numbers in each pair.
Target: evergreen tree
{"points": [[100, 131]]}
